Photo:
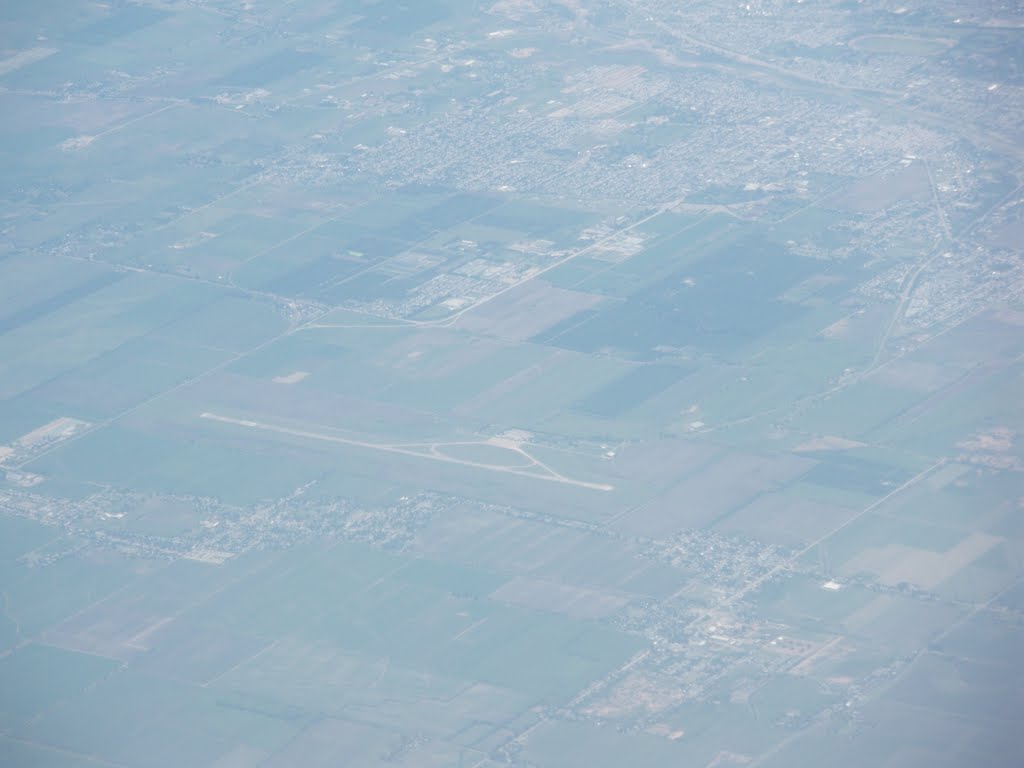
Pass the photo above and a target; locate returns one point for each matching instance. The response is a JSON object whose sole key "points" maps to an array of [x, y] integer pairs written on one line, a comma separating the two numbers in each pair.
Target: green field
{"points": [[442, 384]]}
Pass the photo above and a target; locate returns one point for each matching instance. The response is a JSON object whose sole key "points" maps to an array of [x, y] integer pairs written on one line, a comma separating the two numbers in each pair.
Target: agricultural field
{"points": [[519, 384]]}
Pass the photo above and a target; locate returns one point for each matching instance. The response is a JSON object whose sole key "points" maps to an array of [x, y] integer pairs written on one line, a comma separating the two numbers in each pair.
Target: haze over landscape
{"points": [[511, 384]]}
